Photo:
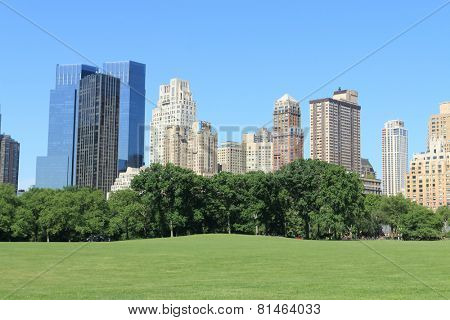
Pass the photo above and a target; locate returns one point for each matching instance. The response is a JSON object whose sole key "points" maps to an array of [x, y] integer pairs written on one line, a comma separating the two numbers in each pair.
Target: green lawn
{"points": [[225, 267]]}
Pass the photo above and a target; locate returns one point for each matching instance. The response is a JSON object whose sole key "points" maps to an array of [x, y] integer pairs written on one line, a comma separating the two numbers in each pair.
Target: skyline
{"points": [[409, 75]]}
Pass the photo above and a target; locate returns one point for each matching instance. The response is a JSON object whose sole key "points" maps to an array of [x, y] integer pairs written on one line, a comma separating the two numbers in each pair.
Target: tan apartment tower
{"points": [[257, 150], [287, 132], [336, 130], [439, 125], [231, 157], [202, 149], [176, 107], [428, 182]]}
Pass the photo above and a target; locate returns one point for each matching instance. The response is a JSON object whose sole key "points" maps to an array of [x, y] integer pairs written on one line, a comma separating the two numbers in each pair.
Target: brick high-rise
{"points": [[287, 132], [336, 131]]}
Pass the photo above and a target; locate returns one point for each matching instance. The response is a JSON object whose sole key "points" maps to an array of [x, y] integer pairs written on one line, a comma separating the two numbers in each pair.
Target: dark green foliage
{"points": [[8, 206], [306, 198]]}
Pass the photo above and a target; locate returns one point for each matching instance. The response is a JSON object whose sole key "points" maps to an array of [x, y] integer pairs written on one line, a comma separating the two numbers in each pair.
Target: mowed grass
{"points": [[226, 267]]}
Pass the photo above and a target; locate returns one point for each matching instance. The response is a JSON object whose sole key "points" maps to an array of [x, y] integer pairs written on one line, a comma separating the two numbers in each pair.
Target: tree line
{"points": [[306, 199]]}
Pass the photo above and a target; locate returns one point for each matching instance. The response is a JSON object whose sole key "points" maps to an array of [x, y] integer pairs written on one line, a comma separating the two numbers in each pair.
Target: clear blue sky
{"points": [[240, 56]]}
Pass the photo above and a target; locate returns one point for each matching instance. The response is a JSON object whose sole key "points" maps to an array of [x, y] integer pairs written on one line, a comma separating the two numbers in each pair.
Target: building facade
{"points": [[231, 157], [176, 146], [57, 169], [394, 157], [175, 107], [98, 132], [132, 111], [202, 149], [257, 151], [439, 126], [336, 131], [9, 160], [287, 132], [428, 182], [123, 181], [372, 185]]}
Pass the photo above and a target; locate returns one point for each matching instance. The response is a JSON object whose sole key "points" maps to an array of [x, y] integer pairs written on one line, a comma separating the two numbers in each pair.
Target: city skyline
{"points": [[245, 100]]}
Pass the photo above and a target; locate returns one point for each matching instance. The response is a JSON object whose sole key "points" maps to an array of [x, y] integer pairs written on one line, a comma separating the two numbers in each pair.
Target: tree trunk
{"points": [[256, 230], [48, 238], [171, 229], [229, 224], [307, 228]]}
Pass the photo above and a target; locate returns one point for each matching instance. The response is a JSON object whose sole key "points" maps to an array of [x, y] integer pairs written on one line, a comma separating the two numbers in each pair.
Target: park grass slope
{"points": [[226, 267]]}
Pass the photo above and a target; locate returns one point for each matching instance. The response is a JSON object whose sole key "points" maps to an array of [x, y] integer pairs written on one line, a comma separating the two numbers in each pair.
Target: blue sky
{"points": [[240, 56]]}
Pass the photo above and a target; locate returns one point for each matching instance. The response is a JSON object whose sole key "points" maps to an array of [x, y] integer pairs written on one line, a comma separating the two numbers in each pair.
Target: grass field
{"points": [[226, 267]]}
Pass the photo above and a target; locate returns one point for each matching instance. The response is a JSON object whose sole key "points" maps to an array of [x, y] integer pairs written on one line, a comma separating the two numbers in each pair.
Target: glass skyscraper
{"points": [[56, 170], [98, 132], [132, 111]]}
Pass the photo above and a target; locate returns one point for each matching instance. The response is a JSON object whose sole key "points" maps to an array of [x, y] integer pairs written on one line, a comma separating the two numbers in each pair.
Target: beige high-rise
{"points": [[257, 150], [439, 125], [336, 131], [287, 132], [202, 149], [428, 182], [231, 157], [176, 107], [176, 146]]}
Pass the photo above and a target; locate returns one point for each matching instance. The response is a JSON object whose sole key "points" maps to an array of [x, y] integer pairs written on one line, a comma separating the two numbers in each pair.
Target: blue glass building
{"points": [[56, 170], [132, 111]]}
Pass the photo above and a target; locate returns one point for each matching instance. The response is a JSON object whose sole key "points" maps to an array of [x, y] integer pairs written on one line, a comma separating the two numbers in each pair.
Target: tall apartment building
{"points": [[57, 168], [175, 107], [287, 132], [176, 146], [9, 159], [202, 149], [231, 157], [428, 182], [394, 157], [132, 111], [336, 131], [439, 126], [98, 132], [257, 151]]}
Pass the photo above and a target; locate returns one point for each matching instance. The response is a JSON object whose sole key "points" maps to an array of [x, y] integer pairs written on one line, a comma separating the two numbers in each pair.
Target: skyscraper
{"points": [[428, 181], [439, 126], [335, 130], [98, 132], [257, 149], [394, 157], [9, 159], [175, 107], [56, 170], [287, 132], [230, 157], [132, 111], [202, 149], [176, 146]]}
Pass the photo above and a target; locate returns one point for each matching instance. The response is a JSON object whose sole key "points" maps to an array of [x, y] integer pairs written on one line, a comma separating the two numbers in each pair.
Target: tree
{"points": [[391, 211], [128, 215], [33, 203], [167, 193], [8, 206], [421, 223]]}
